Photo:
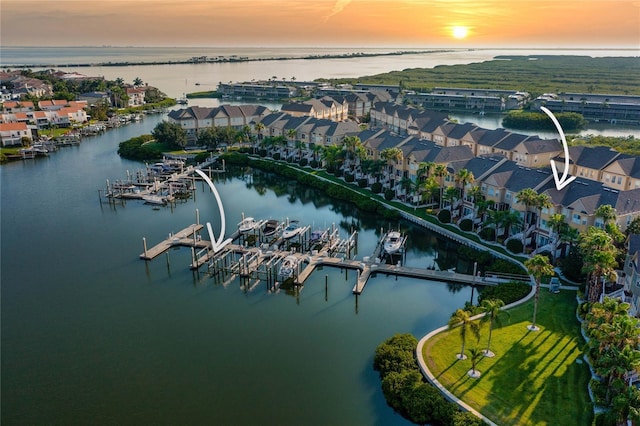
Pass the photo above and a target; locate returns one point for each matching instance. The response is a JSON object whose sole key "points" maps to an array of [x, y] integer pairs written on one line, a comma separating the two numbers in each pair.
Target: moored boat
{"points": [[288, 267], [271, 227], [291, 230], [247, 224], [393, 242]]}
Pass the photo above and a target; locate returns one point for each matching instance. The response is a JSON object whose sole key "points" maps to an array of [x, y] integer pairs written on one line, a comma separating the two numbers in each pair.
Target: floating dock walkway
{"points": [[261, 262]]}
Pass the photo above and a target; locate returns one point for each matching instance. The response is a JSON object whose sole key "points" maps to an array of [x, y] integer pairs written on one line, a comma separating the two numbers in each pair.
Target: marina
{"points": [[293, 258]]}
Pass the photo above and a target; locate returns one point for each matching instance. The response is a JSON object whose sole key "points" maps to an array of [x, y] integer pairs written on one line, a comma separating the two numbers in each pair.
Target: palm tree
{"points": [[492, 309], [300, 146], [475, 355], [424, 170], [527, 196], [408, 186], [509, 220], [539, 267], [451, 195], [599, 254], [428, 189], [440, 171], [542, 201], [391, 154], [317, 150], [462, 319], [291, 134], [463, 177], [259, 128], [137, 81], [606, 213]]}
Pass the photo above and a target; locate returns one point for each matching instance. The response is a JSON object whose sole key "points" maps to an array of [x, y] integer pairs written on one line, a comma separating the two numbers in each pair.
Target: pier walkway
{"points": [[245, 261]]}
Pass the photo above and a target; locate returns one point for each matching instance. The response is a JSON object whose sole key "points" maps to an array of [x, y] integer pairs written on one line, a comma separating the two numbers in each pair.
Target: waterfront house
{"points": [[18, 106], [11, 134], [136, 96]]}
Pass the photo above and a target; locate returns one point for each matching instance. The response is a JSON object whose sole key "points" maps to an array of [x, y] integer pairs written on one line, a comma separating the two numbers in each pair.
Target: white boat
{"points": [[291, 230], [247, 224], [393, 242], [288, 267], [154, 199], [271, 227]]}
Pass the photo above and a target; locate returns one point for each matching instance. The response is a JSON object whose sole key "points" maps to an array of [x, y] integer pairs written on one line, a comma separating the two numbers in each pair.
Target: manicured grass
{"points": [[536, 378]]}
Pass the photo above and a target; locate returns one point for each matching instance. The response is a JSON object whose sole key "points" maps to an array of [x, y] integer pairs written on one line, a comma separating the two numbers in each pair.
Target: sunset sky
{"points": [[410, 23]]}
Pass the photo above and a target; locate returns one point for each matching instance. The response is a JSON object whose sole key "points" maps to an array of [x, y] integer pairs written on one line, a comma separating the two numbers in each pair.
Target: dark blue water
{"points": [[93, 335]]}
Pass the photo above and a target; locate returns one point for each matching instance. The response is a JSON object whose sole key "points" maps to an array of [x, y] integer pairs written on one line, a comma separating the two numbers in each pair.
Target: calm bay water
{"points": [[92, 334]]}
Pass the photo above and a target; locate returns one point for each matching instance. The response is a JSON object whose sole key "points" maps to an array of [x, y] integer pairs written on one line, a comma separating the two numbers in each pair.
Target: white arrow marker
{"points": [[216, 244], [564, 180]]}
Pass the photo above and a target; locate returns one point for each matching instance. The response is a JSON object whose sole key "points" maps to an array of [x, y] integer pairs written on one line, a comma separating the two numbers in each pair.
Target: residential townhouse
{"points": [[327, 107], [528, 151], [406, 120], [309, 130], [471, 100], [261, 90], [451, 134], [11, 134], [590, 163], [631, 274], [612, 108], [194, 118], [622, 173]]}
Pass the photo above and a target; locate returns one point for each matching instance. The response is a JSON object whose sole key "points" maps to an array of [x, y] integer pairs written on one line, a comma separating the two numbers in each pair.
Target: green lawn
{"points": [[536, 378]]}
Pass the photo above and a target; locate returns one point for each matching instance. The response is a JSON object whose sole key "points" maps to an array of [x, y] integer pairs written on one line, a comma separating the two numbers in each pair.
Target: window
{"points": [[491, 191], [576, 219], [507, 195], [619, 180]]}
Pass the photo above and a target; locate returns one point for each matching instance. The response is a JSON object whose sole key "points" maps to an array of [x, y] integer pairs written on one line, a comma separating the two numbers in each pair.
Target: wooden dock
{"points": [[188, 237], [251, 260]]}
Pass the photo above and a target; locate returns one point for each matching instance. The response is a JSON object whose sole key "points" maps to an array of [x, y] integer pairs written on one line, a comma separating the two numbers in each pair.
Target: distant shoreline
{"points": [[235, 58]]}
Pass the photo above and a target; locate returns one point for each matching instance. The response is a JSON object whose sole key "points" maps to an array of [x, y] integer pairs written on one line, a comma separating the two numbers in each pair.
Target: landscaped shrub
{"points": [[444, 216], [389, 194], [466, 225], [406, 391], [362, 183], [376, 188], [289, 159], [488, 234], [330, 169], [337, 172], [506, 267], [314, 164], [348, 177], [507, 292], [262, 153], [276, 156], [572, 266], [515, 245], [303, 162]]}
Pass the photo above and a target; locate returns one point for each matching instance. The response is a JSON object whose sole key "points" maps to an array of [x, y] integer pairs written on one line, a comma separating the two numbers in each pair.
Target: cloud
{"points": [[338, 6]]}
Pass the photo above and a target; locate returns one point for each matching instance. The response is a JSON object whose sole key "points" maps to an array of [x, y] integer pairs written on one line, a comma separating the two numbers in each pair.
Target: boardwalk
{"points": [[188, 237]]}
